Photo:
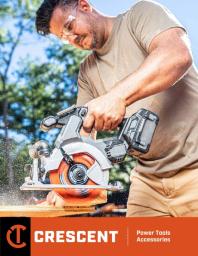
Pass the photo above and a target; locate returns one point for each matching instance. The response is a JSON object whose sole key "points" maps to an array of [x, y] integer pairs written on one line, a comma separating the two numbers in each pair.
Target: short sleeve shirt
{"points": [[175, 143]]}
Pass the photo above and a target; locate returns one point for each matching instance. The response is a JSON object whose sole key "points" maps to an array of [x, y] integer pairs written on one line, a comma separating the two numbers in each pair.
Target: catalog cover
{"points": [[98, 128]]}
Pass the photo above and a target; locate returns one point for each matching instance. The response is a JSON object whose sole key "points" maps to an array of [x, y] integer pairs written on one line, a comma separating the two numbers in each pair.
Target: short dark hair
{"points": [[45, 11]]}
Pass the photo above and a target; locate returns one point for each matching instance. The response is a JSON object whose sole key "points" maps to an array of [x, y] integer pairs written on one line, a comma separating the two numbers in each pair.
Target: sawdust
{"points": [[11, 198], [17, 197]]}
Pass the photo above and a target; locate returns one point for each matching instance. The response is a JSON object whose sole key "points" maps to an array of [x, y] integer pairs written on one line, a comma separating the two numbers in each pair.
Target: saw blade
{"points": [[75, 174]]}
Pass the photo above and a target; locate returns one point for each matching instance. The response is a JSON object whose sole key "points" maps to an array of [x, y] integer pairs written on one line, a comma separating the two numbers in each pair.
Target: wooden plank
{"points": [[42, 211]]}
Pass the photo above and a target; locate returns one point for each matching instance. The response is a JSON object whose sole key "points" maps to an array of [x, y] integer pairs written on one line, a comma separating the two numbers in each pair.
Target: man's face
{"points": [[77, 27]]}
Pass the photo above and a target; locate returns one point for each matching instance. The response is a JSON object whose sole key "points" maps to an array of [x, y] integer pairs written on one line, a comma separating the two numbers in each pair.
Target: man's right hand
{"points": [[104, 113]]}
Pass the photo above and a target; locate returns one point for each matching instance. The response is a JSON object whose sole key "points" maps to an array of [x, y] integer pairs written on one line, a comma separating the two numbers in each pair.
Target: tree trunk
{"points": [[8, 158]]}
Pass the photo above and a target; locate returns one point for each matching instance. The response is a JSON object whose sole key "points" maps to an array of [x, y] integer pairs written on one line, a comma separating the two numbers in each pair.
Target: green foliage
{"points": [[38, 89], [16, 19], [44, 89], [35, 89], [18, 8]]}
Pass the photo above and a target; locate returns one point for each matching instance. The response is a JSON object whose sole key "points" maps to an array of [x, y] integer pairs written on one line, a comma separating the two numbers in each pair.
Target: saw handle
{"points": [[62, 118]]}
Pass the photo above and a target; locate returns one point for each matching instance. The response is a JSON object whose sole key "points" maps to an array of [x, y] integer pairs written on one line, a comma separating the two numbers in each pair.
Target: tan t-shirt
{"points": [[175, 143]]}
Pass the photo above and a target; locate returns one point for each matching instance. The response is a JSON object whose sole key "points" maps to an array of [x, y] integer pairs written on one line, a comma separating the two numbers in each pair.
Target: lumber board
{"points": [[42, 211]]}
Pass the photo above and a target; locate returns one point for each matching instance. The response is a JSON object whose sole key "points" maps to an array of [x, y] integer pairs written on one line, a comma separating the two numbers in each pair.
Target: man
{"points": [[141, 58]]}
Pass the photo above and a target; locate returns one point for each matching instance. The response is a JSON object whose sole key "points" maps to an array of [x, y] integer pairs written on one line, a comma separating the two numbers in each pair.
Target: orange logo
{"points": [[17, 244]]}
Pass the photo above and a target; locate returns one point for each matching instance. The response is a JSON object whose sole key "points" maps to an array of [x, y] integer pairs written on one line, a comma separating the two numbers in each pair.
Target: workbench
{"points": [[42, 211]]}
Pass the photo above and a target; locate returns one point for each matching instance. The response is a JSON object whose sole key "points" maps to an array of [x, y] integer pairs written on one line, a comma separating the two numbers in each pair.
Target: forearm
{"points": [[160, 70]]}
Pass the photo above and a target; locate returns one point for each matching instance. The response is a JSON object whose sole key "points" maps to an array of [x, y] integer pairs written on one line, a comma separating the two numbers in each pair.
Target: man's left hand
{"points": [[104, 113]]}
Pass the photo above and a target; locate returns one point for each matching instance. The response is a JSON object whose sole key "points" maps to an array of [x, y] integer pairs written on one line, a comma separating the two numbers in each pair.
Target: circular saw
{"points": [[77, 168]]}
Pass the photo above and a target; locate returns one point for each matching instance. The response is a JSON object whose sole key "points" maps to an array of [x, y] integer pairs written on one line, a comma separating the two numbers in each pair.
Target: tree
{"points": [[39, 89], [44, 89], [21, 12]]}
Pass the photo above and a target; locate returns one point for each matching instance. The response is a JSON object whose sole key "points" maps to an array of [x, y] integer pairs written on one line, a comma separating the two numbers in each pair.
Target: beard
{"points": [[89, 41], [97, 36], [93, 39], [96, 43]]}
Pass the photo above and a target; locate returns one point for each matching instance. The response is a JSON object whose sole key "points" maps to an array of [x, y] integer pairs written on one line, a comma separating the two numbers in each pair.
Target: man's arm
{"points": [[84, 95], [168, 60]]}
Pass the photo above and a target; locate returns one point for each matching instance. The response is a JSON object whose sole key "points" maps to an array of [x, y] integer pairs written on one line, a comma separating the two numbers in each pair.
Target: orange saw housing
{"points": [[77, 197]]}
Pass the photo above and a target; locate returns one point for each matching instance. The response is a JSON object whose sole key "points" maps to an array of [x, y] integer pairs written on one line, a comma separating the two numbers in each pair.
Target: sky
{"points": [[185, 11]]}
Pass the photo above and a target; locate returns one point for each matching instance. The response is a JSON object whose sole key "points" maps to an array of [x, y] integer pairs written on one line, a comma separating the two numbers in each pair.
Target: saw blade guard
{"points": [[75, 174]]}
